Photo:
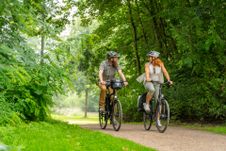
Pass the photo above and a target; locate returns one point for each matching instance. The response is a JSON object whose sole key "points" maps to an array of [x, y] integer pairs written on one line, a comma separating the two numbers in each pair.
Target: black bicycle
{"points": [[113, 107], [159, 108]]}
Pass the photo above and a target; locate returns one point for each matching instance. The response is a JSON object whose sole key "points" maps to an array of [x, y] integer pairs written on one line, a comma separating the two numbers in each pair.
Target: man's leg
{"points": [[103, 90]]}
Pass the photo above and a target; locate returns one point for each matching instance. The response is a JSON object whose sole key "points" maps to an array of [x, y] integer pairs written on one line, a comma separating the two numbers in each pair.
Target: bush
{"points": [[7, 115]]}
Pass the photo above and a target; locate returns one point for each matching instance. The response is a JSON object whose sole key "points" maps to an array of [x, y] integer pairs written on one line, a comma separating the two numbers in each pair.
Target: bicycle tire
{"points": [[103, 120], [147, 119], [117, 115], [164, 116]]}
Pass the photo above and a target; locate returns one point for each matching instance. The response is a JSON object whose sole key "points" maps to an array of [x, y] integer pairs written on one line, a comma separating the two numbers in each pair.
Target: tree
{"points": [[190, 37], [27, 86]]}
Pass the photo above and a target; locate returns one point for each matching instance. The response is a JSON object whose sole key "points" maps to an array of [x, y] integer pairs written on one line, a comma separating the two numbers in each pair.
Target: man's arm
{"points": [[101, 76], [101, 71], [122, 77]]}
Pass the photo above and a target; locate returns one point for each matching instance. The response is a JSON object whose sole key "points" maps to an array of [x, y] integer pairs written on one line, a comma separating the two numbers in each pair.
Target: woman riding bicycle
{"points": [[107, 71], [154, 71]]}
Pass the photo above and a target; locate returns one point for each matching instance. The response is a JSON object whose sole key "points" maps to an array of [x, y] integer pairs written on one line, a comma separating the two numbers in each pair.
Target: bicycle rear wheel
{"points": [[164, 113], [117, 115], [147, 119], [103, 120]]}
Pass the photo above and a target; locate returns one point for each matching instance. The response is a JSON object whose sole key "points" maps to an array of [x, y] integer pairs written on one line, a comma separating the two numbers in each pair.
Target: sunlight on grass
{"points": [[59, 136], [216, 129], [78, 119]]}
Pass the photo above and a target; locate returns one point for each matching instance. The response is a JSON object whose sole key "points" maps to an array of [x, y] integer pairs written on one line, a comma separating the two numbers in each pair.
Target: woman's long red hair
{"points": [[157, 62]]}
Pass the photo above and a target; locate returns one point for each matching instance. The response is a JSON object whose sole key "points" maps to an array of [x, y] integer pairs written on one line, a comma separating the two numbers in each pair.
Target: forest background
{"points": [[38, 65]]}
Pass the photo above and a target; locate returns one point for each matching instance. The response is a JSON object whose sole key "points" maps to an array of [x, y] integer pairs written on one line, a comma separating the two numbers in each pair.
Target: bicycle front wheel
{"points": [[147, 119], [117, 115], [164, 116], [103, 120]]}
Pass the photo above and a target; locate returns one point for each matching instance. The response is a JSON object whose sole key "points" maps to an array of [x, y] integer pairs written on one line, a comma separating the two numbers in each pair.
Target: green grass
{"points": [[219, 128], [77, 117], [91, 119], [59, 136]]}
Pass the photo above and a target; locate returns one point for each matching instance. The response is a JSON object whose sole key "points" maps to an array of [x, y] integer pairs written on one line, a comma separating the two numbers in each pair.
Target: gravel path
{"points": [[174, 138]]}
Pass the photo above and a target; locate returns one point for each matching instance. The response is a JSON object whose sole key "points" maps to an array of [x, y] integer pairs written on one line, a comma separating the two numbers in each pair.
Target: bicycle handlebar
{"points": [[115, 84], [164, 83]]}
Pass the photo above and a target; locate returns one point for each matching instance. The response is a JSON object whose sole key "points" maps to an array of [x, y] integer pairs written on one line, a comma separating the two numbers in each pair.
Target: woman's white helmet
{"points": [[153, 54]]}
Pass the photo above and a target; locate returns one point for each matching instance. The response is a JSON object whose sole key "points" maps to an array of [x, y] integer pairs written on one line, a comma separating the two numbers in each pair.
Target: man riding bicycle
{"points": [[107, 71]]}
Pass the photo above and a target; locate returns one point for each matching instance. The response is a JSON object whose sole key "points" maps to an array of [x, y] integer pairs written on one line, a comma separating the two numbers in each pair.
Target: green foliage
{"points": [[27, 86], [189, 34], [8, 116], [128, 97], [191, 38]]}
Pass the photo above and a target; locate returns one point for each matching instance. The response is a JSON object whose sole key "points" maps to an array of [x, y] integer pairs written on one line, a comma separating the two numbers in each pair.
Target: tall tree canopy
{"points": [[189, 35]]}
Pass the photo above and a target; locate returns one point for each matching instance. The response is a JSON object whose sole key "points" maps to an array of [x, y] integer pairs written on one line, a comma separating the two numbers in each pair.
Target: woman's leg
{"points": [[149, 97], [149, 86]]}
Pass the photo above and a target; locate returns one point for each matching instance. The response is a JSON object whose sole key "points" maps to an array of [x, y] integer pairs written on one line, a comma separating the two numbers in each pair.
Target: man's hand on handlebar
{"points": [[103, 82], [125, 83]]}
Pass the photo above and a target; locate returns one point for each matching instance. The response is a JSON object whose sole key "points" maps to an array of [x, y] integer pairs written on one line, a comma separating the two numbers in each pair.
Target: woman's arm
{"points": [[166, 74], [147, 75]]}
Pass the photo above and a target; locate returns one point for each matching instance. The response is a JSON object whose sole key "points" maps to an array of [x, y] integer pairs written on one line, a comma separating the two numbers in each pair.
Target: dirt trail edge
{"points": [[174, 139]]}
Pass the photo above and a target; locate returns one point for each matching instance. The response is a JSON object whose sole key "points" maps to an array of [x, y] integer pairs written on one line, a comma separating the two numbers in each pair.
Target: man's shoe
{"points": [[146, 107], [159, 123], [101, 110]]}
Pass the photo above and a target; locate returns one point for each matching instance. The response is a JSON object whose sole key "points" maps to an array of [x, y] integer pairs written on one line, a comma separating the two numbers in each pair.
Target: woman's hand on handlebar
{"points": [[170, 82]]}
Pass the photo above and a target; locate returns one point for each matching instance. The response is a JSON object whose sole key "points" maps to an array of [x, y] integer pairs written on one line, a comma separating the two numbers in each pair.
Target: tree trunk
{"points": [[165, 41], [42, 48], [86, 103], [134, 28], [142, 25]]}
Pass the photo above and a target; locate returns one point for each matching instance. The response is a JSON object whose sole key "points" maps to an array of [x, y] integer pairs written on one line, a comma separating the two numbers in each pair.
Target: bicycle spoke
{"points": [[117, 115], [102, 120], [147, 119], [164, 115]]}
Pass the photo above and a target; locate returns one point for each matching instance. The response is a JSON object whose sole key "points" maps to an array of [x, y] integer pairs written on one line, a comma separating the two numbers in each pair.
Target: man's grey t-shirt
{"points": [[108, 70]]}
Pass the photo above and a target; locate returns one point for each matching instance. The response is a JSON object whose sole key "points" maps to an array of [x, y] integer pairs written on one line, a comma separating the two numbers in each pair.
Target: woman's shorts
{"points": [[149, 86], [152, 88]]}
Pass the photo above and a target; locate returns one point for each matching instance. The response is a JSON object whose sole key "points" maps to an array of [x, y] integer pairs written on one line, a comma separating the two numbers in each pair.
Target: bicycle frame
{"points": [[159, 111], [109, 101], [113, 108], [158, 101]]}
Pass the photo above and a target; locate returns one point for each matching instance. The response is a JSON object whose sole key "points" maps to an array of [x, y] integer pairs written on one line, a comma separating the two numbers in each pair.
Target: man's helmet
{"points": [[112, 54], [153, 54]]}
